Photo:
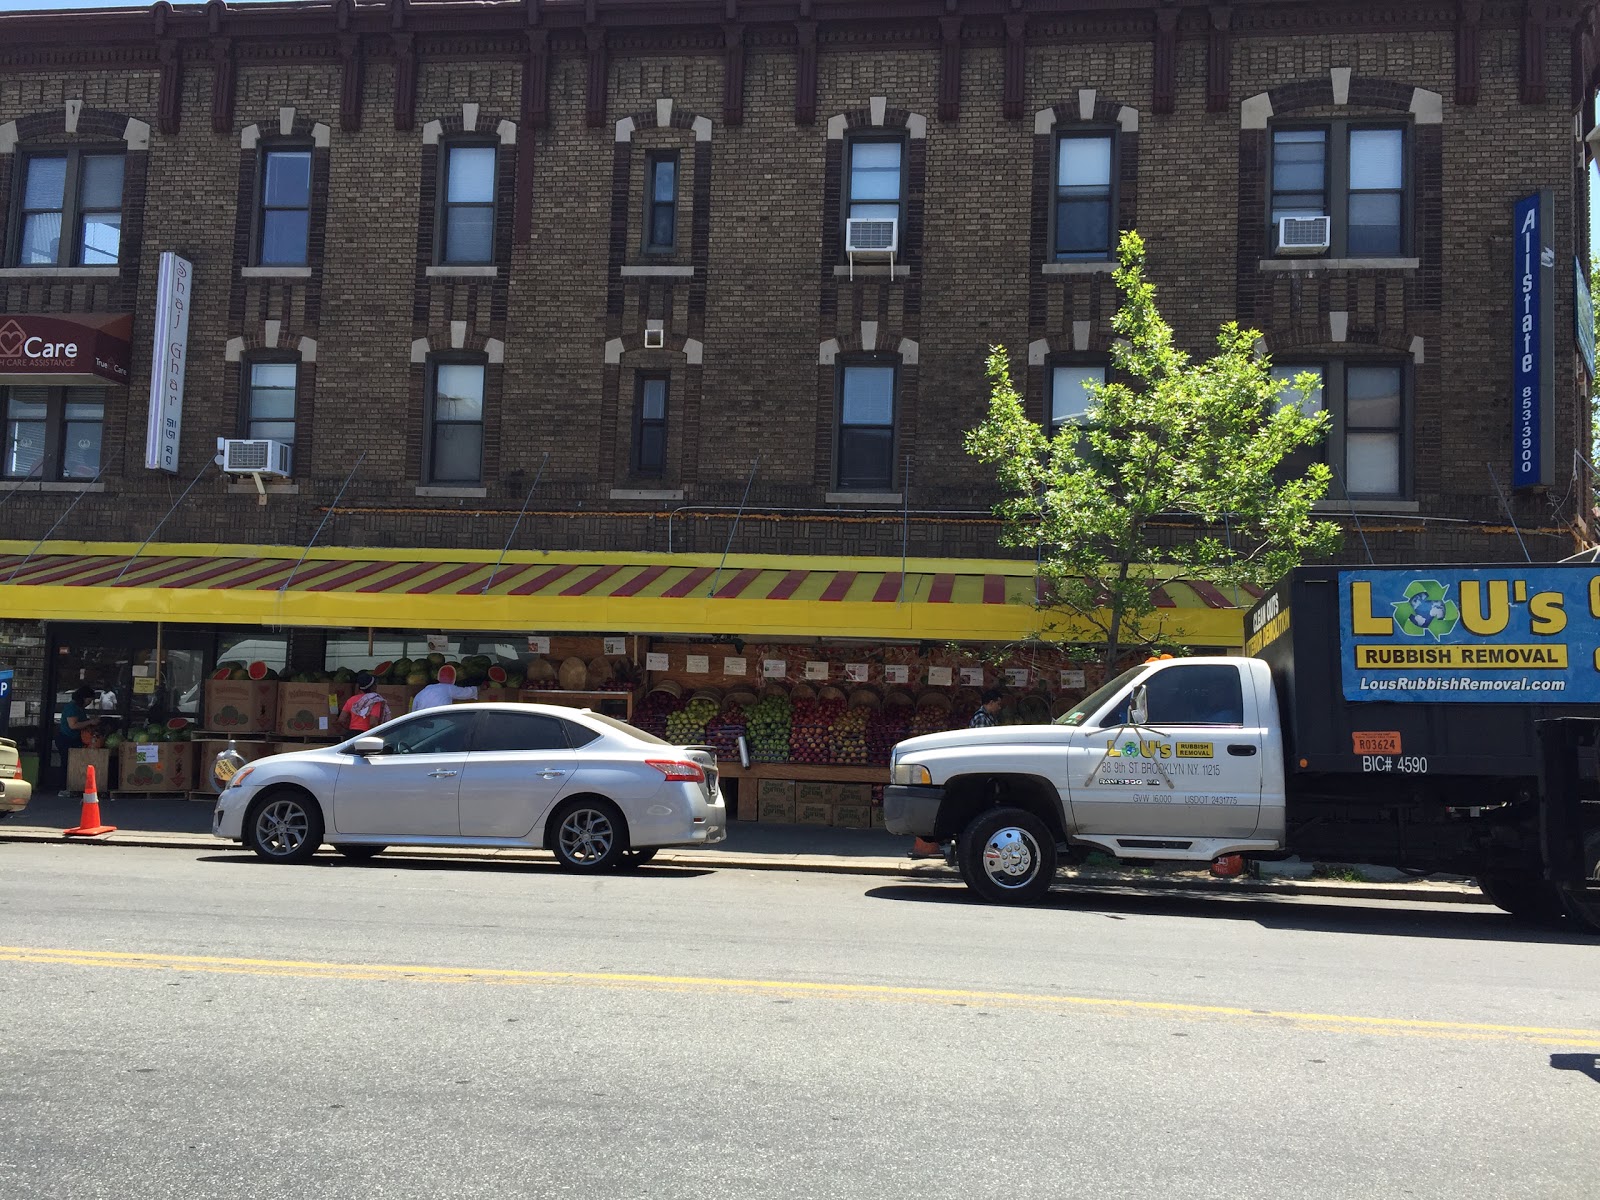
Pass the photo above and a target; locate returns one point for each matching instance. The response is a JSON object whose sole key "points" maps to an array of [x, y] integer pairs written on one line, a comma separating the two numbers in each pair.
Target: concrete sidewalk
{"points": [[186, 825]]}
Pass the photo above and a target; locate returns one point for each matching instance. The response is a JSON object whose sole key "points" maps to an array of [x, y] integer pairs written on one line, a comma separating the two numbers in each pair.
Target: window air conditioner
{"points": [[256, 456], [871, 235], [1304, 235]]}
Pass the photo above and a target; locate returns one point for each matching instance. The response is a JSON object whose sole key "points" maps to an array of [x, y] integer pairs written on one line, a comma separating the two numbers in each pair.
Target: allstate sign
{"points": [[1533, 353]]}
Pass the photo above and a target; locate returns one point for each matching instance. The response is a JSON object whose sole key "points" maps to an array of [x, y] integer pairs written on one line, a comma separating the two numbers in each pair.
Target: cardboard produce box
{"points": [[775, 789], [852, 816], [399, 697], [156, 767], [241, 705], [309, 708], [879, 821], [807, 792], [778, 811], [79, 760], [812, 813], [206, 754], [748, 807], [855, 793]]}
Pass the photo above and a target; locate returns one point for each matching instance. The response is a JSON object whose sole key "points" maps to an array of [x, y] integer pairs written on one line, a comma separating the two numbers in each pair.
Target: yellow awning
{"points": [[748, 595]]}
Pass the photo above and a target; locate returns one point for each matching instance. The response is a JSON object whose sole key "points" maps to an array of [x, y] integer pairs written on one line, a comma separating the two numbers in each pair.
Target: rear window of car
{"points": [[632, 731]]}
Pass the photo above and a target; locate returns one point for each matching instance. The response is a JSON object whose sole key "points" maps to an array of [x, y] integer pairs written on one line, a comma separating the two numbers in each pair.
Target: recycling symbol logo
{"points": [[1130, 750], [1427, 609]]}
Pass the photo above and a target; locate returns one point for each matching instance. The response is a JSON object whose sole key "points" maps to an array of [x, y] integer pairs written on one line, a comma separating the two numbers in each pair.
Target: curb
{"points": [[932, 871]]}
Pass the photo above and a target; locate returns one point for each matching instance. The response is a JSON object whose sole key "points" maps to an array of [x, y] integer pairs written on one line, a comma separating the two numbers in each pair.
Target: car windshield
{"points": [[633, 731], [1097, 699]]}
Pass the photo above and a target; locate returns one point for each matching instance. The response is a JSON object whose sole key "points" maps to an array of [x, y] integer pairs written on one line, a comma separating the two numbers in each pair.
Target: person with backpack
{"points": [[366, 709]]}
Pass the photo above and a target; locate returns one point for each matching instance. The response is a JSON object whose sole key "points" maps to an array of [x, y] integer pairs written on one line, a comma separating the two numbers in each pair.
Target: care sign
{"points": [[1481, 636], [1533, 365]]}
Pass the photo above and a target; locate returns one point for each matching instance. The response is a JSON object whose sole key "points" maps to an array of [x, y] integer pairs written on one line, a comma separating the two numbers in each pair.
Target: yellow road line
{"points": [[292, 968]]}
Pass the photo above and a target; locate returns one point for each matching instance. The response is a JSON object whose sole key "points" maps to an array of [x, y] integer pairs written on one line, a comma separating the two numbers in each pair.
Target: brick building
{"points": [[532, 285]]}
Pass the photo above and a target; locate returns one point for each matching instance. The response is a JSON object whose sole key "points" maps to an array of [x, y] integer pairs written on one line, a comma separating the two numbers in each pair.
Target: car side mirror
{"points": [[363, 746], [1139, 706]]}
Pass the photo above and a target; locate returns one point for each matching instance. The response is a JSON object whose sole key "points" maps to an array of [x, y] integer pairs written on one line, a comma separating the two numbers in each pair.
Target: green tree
{"points": [[1177, 472]]}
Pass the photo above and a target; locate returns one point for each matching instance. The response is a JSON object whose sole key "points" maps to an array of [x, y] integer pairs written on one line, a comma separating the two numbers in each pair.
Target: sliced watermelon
{"points": [[258, 670], [178, 723], [382, 669], [222, 673], [497, 674]]}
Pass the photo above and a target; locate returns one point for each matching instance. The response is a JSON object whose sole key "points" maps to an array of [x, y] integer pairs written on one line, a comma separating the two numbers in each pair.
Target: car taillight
{"points": [[17, 774], [678, 771]]}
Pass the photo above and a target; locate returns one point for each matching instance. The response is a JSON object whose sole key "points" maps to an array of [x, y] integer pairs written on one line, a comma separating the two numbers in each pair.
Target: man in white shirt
{"points": [[437, 695]]}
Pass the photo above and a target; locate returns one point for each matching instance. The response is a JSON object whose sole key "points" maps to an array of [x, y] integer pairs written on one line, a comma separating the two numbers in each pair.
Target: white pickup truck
{"points": [[1197, 774]]}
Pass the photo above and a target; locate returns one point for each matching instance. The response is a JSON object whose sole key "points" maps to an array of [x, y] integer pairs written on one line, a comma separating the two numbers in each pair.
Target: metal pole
{"points": [[715, 582], [905, 529], [332, 508], [1510, 516], [538, 475], [59, 519], [208, 465]]}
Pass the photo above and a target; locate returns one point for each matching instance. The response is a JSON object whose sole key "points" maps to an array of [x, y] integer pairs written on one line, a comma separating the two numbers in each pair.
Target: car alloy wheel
{"points": [[589, 836], [285, 828]]}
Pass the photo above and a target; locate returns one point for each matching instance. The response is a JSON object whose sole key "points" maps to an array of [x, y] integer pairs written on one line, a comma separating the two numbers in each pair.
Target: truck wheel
{"points": [[1523, 896], [1584, 906], [1009, 856]]}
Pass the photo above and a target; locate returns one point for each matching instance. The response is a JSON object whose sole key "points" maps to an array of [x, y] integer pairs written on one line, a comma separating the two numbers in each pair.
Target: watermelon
{"points": [[258, 670], [498, 675], [222, 673], [382, 670], [417, 679], [178, 723], [113, 740], [445, 674], [436, 659]]}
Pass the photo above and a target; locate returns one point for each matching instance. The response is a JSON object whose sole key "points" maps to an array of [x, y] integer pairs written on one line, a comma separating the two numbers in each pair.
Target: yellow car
{"points": [[15, 791]]}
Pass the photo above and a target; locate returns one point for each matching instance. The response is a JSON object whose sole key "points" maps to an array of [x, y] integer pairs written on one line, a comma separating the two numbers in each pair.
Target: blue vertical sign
{"points": [[5, 700], [1533, 363]]}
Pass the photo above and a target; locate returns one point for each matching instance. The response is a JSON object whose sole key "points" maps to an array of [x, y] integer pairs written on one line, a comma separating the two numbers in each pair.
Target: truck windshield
{"points": [[1097, 699]]}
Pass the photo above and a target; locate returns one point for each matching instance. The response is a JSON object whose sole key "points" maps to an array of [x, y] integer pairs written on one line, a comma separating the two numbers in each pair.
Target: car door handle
{"points": [[551, 773], [1241, 751], [442, 774]]}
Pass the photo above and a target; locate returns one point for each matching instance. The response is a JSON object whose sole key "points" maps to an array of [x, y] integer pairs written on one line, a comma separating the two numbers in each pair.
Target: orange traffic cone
{"points": [[89, 824]]}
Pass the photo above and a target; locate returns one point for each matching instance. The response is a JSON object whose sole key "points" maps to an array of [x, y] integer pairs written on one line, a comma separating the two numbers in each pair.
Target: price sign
{"points": [[855, 672], [1017, 676], [616, 646], [773, 668], [145, 686], [439, 643], [735, 666], [817, 670], [1072, 679], [655, 661], [697, 664], [971, 676], [536, 645], [897, 674], [147, 754], [939, 677]]}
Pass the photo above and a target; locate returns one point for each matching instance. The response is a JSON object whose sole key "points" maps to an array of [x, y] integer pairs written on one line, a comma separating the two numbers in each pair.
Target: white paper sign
{"points": [[438, 643], [855, 672], [971, 676], [735, 666], [322, 722], [816, 670], [147, 754], [938, 676], [174, 287], [1072, 679], [1017, 676], [897, 674], [538, 645], [616, 646], [697, 664], [773, 668], [655, 661], [19, 710]]}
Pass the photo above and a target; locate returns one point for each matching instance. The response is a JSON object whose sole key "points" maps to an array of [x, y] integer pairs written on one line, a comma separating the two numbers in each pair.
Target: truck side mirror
{"points": [[1139, 706]]}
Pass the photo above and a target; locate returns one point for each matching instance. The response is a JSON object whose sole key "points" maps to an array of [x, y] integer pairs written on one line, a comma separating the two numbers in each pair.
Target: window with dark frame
{"points": [[1353, 173], [1085, 222], [650, 424], [455, 437], [467, 212], [1366, 443], [270, 392], [54, 433], [866, 426], [874, 179], [283, 221], [70, 210], [661, 204], [1069, 395]]}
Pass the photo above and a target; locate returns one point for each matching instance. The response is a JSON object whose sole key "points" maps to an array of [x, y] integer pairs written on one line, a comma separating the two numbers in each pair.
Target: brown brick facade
{"points": [[755, 306]]}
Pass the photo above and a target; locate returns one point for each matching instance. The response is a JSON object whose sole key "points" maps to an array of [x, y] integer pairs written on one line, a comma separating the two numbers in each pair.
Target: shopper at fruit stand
{"points": [[75, 720], [366, 709], [437, 695], [988, 715]]}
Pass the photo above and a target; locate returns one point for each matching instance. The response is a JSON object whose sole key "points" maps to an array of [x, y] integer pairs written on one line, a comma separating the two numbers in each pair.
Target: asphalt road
{"points": [[183, 1025]]}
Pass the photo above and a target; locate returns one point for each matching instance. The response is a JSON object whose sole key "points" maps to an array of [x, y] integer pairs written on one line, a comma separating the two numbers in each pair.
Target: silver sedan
{"points": [[595, 791]]}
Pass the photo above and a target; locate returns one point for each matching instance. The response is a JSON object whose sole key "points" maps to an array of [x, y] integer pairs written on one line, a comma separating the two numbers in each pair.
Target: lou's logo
{"points": [[1135, 748], [1485, 608], [1426, 609]]}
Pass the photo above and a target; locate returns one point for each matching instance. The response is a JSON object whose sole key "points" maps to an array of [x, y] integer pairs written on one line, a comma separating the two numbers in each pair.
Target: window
{"points": [[506, 731], [284, 227], [53, 433], [455, 447], [866, 427], [1083, 217], [432, 733], [1353, 174], [661, 205], [650, 425], [269, 400], [1069, 397], [71, 210], [468, 218], [1366, 444], [1195, 695], [874, 179]]}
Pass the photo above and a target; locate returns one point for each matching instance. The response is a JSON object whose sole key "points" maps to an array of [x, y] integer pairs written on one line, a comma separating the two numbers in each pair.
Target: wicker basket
{"points": [[743, 697], [667, 687], [830, 693], [540, 671], [600, 671], [898, 698], [573, 675], [865, 696], [934, 699], [802, 691]]}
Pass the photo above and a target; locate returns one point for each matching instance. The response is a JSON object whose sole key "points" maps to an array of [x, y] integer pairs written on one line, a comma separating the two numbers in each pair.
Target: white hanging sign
{"points": [[169, 358], [855, 672], [655, 661], [616, 646], [438, 643], [1017, 676], [773, 668], [697, 664], [816, 670], [938, 676], [538, 645], [898, 674], [1072, 679], [971, 676], [735, 666]]}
